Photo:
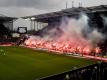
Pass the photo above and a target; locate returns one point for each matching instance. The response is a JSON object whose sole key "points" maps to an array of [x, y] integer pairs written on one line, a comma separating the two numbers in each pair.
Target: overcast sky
{"points": [[20, 8]]}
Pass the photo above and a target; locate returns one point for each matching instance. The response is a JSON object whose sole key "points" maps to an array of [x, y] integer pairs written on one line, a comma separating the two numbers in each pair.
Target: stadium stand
{"points": [[93, 72], [6, 28]]}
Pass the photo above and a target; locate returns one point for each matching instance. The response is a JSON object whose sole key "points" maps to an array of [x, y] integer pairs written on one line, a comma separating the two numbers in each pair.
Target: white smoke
{"points": [[104, 20], [75, 30], [96, 37]]}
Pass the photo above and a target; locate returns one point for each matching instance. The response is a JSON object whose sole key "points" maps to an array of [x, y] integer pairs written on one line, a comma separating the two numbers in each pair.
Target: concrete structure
{"points": [[7, 21], [39, 21]]}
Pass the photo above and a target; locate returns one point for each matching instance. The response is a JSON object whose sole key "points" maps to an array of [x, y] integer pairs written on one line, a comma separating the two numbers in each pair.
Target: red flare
{"points": [[63, 46]]}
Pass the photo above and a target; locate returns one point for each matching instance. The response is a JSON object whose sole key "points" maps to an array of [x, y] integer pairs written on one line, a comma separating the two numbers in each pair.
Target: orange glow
{"points": [[63, 46]]}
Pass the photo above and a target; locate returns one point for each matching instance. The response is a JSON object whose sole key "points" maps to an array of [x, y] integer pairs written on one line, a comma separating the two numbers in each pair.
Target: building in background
{"points": [[38, 22]]}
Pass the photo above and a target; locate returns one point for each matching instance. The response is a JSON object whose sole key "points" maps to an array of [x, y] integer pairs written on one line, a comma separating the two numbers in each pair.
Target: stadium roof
{"points": [[4, 18], [66, 12]]}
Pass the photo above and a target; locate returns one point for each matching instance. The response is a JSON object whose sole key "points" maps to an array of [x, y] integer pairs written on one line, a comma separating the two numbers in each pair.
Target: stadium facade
{"points": [[42, 20], [7, 21], [6, 27]]}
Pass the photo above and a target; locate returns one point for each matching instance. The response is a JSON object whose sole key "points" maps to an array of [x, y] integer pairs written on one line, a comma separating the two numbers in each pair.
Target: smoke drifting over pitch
{"points": [[70, 35]]}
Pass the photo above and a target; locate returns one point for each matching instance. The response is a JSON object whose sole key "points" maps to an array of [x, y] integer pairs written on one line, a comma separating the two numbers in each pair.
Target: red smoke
{"points": [[63, 46], [72, 39]]}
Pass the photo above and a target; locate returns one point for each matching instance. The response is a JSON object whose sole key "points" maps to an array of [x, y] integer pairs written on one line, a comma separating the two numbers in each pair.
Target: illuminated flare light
{"points": [[7, 44], [63, 46]]}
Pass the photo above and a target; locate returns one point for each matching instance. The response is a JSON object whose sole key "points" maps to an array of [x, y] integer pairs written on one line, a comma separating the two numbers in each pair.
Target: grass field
{"points": [[20, 63]]}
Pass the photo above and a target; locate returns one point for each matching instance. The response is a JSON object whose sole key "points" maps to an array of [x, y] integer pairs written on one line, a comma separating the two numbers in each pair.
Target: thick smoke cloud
{"points": [[76, 29], [104, 21], [76, 32]]}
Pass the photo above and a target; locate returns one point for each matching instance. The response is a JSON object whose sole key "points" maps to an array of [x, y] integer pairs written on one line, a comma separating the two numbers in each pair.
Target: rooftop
{"points": [[4, 18], [67, 12]]}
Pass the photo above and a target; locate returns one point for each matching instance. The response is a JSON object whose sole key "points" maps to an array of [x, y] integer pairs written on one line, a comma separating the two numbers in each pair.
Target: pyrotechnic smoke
{"points": [[69, 35], [104, 20], [77, 30]]}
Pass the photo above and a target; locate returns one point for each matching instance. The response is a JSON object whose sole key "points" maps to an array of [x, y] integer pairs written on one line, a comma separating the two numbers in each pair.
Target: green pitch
{"points": [[18, 63]]}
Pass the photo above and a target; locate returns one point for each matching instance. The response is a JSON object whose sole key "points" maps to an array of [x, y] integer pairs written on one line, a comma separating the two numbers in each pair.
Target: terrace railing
{"points": [[92, 72]]}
